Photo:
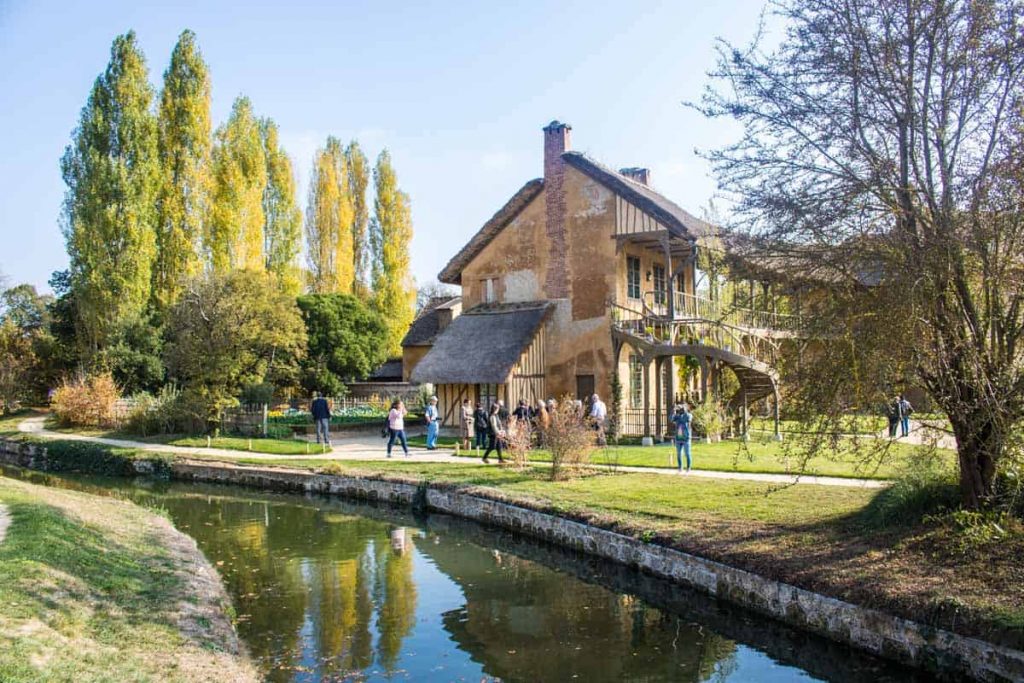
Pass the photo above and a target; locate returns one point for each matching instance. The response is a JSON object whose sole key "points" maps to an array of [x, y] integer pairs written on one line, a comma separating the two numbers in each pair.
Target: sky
{"points": [[457, 91]]}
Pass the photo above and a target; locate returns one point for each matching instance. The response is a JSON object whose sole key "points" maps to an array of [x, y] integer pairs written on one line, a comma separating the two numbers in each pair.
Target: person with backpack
{"points": [[480, 426], [683, 420], [892, 414], [905, 410], [396, 426], [495, 432]]}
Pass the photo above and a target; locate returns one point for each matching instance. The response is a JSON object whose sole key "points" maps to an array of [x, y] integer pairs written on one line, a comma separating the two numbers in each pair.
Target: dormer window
{"points": [[489, 287]]}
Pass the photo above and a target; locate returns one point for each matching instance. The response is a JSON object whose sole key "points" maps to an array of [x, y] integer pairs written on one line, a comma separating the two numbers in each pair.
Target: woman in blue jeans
{"points": [[396, 427], [682, 420]]}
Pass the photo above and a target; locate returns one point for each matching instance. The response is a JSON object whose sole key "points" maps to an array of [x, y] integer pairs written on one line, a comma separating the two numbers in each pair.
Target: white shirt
{"points": [[598, 410], [396, 419]]}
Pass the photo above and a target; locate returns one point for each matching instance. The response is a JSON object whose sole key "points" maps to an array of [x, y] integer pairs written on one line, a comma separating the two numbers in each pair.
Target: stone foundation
{"points": [[902, 640]]}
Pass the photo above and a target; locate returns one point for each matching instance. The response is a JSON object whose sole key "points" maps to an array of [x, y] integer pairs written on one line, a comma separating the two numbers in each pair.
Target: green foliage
{"points": [[183, 123], [346, 340], [282, 234], [25, 308], [708, 419], [258, 394], [231, 330], [234, 239], [925, 487], [17, 361], [112, 178], [390, 239], [133, 354]]}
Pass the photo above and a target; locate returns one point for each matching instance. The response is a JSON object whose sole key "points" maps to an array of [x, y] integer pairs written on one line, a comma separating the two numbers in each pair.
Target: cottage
{"points": [[584, 276]]}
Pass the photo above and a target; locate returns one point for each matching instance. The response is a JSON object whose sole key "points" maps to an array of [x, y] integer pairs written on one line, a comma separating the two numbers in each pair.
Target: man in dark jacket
{"points": [[321, 417], [480, 426]]}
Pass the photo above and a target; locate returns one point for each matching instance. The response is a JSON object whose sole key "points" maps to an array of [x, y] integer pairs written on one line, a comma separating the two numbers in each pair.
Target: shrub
{"points": [[258, 394], [86, 401], [569, 438], [519, 441], [708, 419], [926, 487], [169, 412]]}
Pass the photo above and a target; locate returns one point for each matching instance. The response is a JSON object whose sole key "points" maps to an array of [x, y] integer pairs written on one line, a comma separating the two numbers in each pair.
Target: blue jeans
{"points": [[905, 426], [398, 434], [480, 439], [683, 447], [323, 427], [432, 434]]}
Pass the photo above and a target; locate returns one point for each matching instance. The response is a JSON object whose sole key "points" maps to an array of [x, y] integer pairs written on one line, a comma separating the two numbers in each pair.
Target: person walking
{"points": [[466, 423], [480, 426], [541, 422], [905, 410], [892, 413], [396, 426], [598, 415], [433, 423], [682, 420], [495, 432], [321, 412], [522, 411]]}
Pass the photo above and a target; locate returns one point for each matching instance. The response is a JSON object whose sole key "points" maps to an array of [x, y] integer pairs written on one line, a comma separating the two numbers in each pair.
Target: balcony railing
{"points": [[688, 307]]}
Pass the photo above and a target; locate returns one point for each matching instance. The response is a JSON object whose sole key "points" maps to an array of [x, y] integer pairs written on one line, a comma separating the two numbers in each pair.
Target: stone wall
{"points": [[881, 634]]}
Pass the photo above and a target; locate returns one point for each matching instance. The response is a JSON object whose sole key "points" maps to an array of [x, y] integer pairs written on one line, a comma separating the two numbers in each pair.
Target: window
{"points": [[488, 394], [489, 287], [632, 277], [659, 285], [636, 381]]}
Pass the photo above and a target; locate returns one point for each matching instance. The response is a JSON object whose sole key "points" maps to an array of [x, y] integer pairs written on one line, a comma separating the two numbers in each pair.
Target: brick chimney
{"points": [[640, 175], [557, 140]]}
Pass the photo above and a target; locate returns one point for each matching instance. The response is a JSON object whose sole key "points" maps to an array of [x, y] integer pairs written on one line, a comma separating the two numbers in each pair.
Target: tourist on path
{"points": [[682, 420], [522, 411], [321, 412], [598, 414], [466, 423], [480, 426], [433, 423], [396, 426], [905, 410], [495, 432], [892, 413], [541, 422]]}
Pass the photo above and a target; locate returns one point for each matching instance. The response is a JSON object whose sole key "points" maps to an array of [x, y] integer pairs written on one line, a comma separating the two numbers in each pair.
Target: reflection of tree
{"points": [[396, 597], [341, 614], [523, 621]]}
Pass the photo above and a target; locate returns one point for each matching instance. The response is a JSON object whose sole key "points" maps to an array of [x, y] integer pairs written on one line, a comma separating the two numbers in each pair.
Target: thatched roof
{"points": [[452, 273], [426, 325], [680, 222], [482, 345], [388, 371]]}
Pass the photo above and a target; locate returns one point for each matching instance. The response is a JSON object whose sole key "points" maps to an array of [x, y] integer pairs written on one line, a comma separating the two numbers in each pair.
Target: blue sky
{"points": [[457, 91]]}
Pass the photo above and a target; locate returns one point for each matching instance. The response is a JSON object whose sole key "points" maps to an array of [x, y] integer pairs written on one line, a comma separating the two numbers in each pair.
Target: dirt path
{"points": [[371, 448], [924, 433]]}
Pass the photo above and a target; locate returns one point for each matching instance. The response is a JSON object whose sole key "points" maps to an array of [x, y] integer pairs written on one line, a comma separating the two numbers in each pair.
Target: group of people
{"points": [[898, 413]]}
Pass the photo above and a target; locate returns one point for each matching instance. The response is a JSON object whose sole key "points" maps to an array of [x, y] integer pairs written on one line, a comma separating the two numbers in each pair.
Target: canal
{"points": [[330, 590]]}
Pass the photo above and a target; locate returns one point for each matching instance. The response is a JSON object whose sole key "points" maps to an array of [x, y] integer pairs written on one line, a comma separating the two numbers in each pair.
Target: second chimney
{"points": [[556, 143], [640, 175]]}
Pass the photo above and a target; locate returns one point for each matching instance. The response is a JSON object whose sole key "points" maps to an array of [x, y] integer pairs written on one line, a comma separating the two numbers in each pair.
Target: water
{"points": [[327, 590]]}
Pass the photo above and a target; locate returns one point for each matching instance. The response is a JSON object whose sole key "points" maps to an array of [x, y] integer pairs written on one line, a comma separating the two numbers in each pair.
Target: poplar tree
{"points": [[234, 239], [329, 222], [184, 134], [112, 178], [391, 233], [358, 180], [282, 233]]}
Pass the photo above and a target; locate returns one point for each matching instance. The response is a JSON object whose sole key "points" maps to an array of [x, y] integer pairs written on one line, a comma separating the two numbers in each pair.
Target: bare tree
{"points": [[881, 156]]}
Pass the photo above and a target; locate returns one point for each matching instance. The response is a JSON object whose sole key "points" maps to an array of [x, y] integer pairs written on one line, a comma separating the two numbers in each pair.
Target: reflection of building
{"points": [[522, 621], [584, 275]]}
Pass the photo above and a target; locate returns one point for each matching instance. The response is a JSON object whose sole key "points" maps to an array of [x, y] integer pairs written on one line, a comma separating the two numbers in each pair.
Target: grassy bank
{"points": [[95, 589]]}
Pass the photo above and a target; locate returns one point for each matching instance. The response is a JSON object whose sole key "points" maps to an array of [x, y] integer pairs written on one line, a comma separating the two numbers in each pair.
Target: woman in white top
{"points": [[396, 426]]}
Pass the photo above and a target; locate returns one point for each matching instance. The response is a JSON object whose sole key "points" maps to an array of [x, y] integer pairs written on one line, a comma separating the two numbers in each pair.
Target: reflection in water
{"points": [[328, 590]]}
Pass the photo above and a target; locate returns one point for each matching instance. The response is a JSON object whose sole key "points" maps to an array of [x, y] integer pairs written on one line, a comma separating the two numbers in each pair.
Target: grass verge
{"points": [[96, 589]]}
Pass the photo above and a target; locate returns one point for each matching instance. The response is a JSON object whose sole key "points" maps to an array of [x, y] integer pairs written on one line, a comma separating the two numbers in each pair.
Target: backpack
{"points": [[385, 430]]}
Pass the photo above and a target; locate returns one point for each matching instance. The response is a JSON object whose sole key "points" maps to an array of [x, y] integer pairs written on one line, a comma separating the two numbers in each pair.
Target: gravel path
{"points": [[369, 447]]}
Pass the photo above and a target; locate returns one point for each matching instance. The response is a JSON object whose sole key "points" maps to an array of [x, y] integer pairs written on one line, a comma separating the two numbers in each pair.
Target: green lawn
{"points": [[272, 446], [859, 459], [90, 591]]}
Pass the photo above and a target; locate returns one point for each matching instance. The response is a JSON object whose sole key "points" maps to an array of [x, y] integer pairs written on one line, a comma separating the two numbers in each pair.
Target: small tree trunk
{"points": [[980, 444]]}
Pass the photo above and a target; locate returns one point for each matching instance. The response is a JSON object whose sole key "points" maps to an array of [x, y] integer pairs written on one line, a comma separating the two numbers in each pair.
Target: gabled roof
{"points": [[388, 371], [679, 221], [482, 345], [424, 328], [452, 273]]}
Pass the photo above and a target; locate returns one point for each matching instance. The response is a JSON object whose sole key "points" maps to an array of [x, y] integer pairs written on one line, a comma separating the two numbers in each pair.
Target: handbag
{"points": [[385, 431]]}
